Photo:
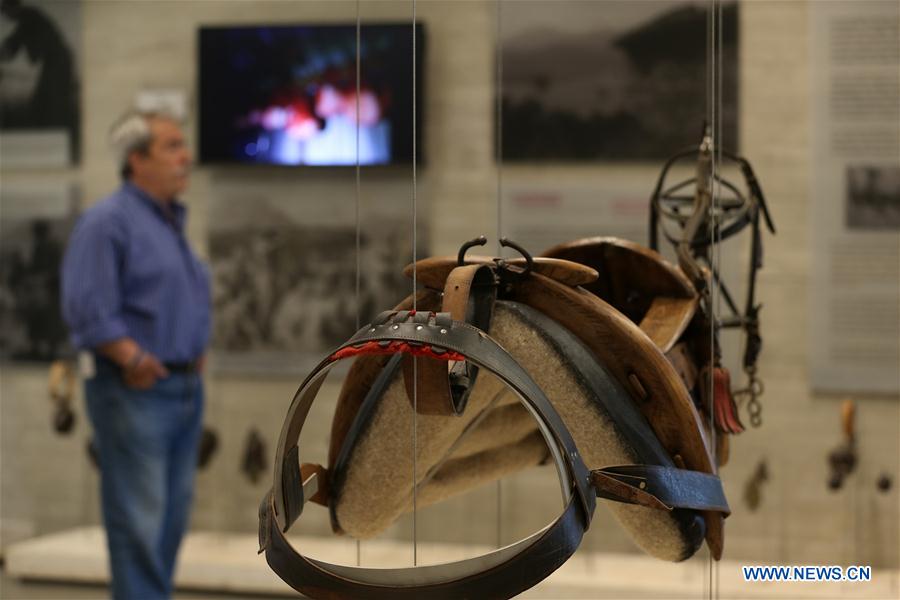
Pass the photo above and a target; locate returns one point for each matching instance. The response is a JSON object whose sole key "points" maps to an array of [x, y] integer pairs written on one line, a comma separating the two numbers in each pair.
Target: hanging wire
{"points": [[358, 304], [711, 115], [414, 257], [713, 166], [716, 203], [358, 307], [717, 165], [707, 567], [499, 118], [712, 222], [715, 54], [499, 151]]}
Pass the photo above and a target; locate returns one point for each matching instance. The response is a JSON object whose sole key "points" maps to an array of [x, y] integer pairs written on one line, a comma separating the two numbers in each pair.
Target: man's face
{"points": [[165, 168]]}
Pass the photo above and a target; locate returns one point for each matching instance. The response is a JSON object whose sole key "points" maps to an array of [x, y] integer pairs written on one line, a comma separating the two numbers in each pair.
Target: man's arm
{"points": [[92, 300]]}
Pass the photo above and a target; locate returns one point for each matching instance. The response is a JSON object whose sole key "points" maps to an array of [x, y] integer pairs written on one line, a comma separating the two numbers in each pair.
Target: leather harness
{"points": [[502, 573]]}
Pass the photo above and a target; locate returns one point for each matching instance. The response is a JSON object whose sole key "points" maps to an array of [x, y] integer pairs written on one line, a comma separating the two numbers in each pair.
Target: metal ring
{"points": [[756, 387], [754, 407]]}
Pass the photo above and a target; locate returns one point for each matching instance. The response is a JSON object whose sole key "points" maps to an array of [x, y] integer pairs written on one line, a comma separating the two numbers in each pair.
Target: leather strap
{"points": [[499, 574], [666, 319], [661, 487], [464, 286], [502, 573], [440, 388]]}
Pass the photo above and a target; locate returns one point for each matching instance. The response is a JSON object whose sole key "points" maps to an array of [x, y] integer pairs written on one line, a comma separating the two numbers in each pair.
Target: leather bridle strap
{"points": [[499, 574], [469, 295]]}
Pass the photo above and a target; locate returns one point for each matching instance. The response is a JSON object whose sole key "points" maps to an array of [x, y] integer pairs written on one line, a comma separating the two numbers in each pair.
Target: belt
{"points": [[171, 367], [181, 367]]}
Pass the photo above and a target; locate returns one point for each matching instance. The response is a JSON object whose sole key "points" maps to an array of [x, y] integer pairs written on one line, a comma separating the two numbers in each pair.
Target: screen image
{"points": [[287, 95]]}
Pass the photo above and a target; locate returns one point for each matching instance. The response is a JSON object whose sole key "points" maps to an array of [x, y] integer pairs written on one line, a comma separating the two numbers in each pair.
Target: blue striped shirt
{"points": [[128, 271]]}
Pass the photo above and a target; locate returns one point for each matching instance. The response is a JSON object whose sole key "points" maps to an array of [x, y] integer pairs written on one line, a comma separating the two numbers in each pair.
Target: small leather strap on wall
{"points": [[442, 389]]}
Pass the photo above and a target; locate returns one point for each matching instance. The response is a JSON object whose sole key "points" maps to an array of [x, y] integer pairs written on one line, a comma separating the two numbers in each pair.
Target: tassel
{"points": [[724, 408]]}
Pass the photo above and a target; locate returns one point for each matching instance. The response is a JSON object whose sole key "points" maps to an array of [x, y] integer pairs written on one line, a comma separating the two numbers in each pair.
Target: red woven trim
{"points": [[393, 348]]}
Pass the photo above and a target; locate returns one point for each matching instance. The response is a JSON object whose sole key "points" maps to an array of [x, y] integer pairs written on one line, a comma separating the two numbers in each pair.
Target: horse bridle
{"points": [[699, 231]]}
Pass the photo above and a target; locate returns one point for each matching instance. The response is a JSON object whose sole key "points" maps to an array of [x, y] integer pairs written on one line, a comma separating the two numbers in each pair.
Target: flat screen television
{"points": [[287, 94]]}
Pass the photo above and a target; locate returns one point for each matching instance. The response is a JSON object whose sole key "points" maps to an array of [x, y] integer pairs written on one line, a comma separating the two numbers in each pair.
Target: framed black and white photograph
{"points": [[284, 288], [39, 83], [37, 218], [873, 197], [612, 80]]}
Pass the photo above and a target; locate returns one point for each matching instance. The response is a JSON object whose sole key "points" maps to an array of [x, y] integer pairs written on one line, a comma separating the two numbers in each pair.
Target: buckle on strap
{"points": [[660, 487], [610, 488]]}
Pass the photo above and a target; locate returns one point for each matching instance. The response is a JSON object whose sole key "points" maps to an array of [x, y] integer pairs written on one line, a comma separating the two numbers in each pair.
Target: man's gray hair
{"points": [[131, 133]]}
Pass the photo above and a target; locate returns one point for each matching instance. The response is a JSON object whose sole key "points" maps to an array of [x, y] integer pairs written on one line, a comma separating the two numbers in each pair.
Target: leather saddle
{"points": [[589, 357]]}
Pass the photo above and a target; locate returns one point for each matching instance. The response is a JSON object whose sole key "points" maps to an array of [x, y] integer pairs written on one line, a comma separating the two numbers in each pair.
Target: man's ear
{"points": [[135, 159]]}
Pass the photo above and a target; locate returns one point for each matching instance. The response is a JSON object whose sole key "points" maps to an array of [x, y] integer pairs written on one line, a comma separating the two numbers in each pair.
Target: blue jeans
{"points": [[146, 442]]}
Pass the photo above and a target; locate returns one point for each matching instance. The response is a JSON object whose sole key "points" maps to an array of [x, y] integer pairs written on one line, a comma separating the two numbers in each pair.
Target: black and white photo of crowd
{"points": [[32, 241], [284, 292]]}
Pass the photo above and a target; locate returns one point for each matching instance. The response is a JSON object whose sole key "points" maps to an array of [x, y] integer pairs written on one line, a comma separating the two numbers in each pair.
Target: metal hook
{"points": [[461, 256], [529, 262]]}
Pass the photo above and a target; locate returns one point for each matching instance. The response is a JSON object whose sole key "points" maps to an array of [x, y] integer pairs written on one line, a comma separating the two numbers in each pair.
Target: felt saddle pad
{"points": [[594, 390], [496, 436]]}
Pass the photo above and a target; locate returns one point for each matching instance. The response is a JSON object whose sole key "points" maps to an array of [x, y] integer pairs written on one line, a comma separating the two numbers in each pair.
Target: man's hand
{"points": [[145, 372], [140, 369]]}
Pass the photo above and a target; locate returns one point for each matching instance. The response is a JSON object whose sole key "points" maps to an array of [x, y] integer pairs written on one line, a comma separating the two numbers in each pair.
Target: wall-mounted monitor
{"points": [[287, 94]]}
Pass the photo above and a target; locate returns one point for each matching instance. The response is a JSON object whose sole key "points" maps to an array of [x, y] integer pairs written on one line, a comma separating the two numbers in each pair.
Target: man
{"points": [[137, 298]]}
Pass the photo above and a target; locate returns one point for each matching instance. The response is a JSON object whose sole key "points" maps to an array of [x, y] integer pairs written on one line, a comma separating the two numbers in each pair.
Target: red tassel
{"points": [[724, 408]]}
